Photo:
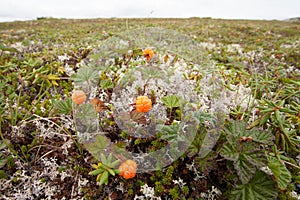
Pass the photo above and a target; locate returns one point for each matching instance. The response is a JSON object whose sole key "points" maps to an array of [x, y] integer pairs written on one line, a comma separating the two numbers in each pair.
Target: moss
{"points": [[10, 162], [159, 188], [140, 182], [2, 175], [175, 192], [124, 134], [185, 190], [130, 192], [167, 179]]}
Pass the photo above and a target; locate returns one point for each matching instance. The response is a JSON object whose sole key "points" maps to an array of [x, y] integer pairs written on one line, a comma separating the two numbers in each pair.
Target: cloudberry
{"points": [[143, 104], [128, 169], [148, 53], [78, 97]]}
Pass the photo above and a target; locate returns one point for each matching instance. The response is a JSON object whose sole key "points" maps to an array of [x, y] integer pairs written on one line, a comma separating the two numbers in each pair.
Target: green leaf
{"points": [[230, 151], [246, 157], [63, 106], [280, 172], [114, 163], [112, 172], [104, 178], [284, 178], [203, 117], [103, 159], [275, 168], [261, 136], [97, 147], [96, 172], [171, 101], [106, 84], [109, 158], [236, 128], [85, 117], [85, 75], [287, 80], [264, 119], [85, 112], [260, 187], [198, 141], [246, 165], [169, 132], [239, 129]]}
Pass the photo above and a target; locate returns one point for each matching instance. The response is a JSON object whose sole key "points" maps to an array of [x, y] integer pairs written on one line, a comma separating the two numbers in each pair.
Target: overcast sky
{"points": [[229, 9]]}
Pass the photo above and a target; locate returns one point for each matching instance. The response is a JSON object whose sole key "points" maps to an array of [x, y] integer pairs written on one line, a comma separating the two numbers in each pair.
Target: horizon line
{"points": [[9, 19]]}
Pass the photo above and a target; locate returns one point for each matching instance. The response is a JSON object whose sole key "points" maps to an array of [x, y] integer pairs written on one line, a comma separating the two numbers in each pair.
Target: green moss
{"points": [[167, 179], [43, 180], [159, 188], [130, 192], [185, 190], [175, 192], [137, 141], [2, 175], [140, 182], [10, 162]]}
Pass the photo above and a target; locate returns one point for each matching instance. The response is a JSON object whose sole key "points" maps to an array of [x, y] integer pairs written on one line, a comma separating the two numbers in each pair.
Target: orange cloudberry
{"points": [[78, 97], [128, 169], [143, 104], [148, 53]]}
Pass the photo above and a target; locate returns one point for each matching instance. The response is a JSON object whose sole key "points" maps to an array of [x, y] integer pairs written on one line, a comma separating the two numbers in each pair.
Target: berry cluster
{"points": [[128, 169], [78, 97], [143, 104]]}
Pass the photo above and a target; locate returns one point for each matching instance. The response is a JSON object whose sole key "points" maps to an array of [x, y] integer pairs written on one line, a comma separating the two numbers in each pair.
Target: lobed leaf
{"points": [[280, 172], [169, 132], [171, 101], [85, 75], [247, 164], [246, 157], [230, 151], [98, 146], [260, 187], [239, 129], [63, 106]]}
